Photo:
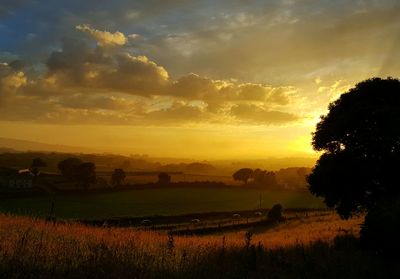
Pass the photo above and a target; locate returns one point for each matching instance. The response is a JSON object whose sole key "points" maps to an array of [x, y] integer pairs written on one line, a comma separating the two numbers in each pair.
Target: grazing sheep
{"points": [[146, 222]]}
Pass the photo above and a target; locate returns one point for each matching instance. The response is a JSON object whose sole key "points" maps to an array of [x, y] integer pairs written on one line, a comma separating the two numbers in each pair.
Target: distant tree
{"points": [[85, 174], [118, 177], [258, 176], [36, 164], [164, 178], [263, 178], [360, 138], [243, 175], [302, 172], [68, 167]]}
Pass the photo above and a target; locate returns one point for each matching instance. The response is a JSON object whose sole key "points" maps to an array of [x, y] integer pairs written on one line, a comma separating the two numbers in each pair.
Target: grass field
{"points": [[150, 202], [142, 179], [301, 248]]}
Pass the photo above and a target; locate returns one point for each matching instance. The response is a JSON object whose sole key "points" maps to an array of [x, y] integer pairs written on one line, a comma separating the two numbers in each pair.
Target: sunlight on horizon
{"points": [[249, 82]]}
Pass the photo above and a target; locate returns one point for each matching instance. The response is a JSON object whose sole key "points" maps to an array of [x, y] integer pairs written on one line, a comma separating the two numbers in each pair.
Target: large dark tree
{"points": [[358, 171], [360, 138]]}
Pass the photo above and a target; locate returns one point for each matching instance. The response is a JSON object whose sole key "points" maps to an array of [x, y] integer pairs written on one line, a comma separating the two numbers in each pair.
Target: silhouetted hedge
{"points": [[381, 229]]}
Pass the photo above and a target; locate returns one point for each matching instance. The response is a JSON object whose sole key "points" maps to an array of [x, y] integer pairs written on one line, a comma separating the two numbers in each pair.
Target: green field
{"points": [[149, 202]]}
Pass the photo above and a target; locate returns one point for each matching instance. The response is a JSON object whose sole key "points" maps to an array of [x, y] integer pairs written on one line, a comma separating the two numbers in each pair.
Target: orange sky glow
{"points": [[190, 79]]}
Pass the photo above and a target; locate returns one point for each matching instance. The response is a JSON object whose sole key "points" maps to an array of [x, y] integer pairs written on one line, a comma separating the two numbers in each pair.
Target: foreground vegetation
{"points": [[149, 202], [302, 248]]}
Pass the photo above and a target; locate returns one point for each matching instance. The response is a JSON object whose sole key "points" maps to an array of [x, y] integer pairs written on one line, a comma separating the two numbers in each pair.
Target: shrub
{"points": [[275, 214], [381, 228]]}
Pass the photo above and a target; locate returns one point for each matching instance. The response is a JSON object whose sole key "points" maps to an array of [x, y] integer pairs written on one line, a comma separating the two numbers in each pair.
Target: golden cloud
{"points": [[104, 38], [11, 79], [82, 82], [260, 115]]}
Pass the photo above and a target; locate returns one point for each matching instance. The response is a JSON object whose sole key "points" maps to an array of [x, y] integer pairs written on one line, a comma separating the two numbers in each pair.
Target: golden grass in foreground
{"points": [[62, 250], [304, 230]]}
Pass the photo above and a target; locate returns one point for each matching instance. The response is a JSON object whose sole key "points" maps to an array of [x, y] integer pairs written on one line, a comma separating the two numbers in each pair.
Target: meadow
{"points": [[319, 246], [156, 201], [177, 177]]}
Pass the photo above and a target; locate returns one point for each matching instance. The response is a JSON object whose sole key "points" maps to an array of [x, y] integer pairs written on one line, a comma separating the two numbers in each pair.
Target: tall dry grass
{"points": [[32, 248]]}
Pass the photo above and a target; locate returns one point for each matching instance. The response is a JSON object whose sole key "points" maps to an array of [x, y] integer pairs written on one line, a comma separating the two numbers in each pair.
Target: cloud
{"points": [[134, 36], [260, 115], [104, 38], [177, 113], [283, 42], [83, 101], [193, 86], [79, 66], [91, 84], [7, 7], [11, 79]]}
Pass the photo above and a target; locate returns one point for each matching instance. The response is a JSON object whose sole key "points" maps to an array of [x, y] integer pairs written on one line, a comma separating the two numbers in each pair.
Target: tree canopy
{"points": [[36, 164], [243, 175], [68, 167], [86, 174], [360, 141], [118, 177], [164, 178]]}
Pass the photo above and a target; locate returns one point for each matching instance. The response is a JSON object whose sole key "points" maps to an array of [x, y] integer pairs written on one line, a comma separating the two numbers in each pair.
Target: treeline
{"points": [[289, 178], [88, 170], [79, 174], [103, 162]]}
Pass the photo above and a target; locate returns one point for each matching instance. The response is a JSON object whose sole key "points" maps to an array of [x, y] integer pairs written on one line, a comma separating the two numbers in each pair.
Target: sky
{"points": [[228, 79]]}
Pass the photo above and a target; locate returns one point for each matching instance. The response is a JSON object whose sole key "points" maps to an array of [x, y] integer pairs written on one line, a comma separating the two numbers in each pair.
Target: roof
{"points": [[13, 173]]}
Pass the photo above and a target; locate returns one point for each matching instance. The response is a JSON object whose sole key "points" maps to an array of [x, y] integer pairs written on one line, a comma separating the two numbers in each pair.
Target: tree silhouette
{"points": [[118, 177], [85, 174], [276, 213], [164, 178], [68, 167], [243, 175], [264, 178], [36, 164], [360, 138]]}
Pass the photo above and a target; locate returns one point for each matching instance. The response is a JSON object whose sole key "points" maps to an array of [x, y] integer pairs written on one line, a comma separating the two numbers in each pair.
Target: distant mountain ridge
{"points": [[13, 145], [146, 162]]}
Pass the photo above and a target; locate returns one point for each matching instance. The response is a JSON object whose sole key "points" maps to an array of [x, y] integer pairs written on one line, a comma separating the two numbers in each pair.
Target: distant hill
{"points": [[7, 150], [104, 162], [19, 154], [270, 164], [195, 167], [12, 145]]}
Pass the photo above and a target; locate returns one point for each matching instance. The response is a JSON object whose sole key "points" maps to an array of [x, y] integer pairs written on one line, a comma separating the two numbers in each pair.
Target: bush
{"points": [[381, 228], [275, 214]]}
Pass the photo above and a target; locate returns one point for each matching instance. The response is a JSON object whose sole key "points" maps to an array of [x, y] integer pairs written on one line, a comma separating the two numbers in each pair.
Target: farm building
{"points": [[11, 178]]}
